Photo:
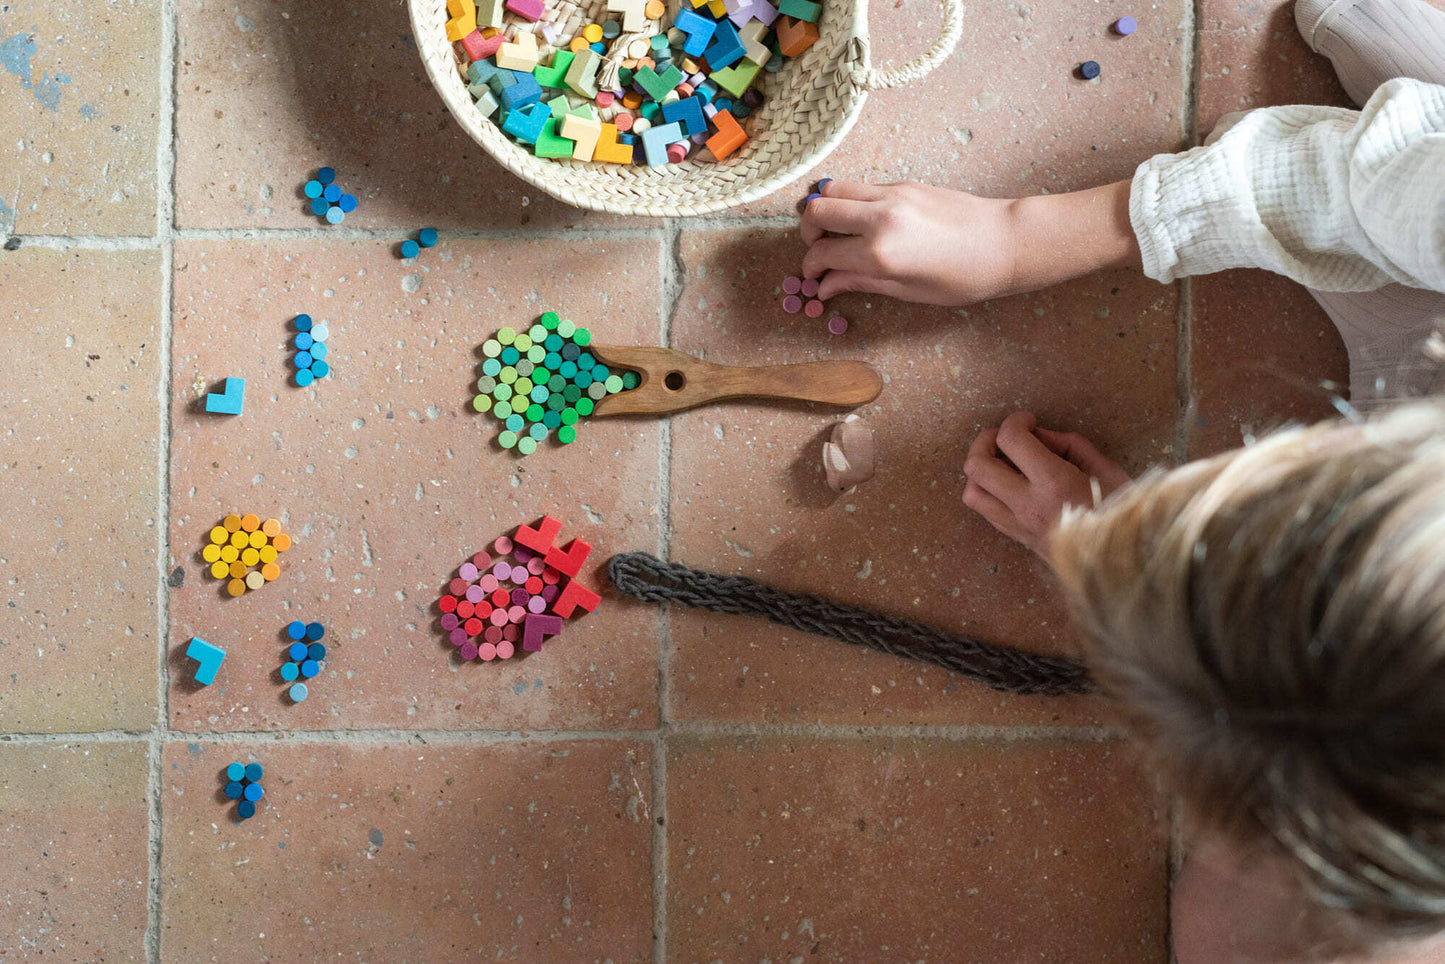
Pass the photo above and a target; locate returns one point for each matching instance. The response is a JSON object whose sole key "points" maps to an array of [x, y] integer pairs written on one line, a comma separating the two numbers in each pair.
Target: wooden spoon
{"points": [[672, 381]]}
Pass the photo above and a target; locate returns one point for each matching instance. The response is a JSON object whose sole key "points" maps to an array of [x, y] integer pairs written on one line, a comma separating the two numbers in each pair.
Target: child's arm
{"points": [[932, 245], [1021, 477]]}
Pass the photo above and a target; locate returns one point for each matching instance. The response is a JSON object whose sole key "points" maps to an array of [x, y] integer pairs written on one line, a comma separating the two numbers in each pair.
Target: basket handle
{"points": [[948, 35]]}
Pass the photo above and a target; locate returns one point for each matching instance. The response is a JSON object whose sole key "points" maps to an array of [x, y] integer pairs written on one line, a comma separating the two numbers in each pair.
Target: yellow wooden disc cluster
{"points": [[241, 542]]}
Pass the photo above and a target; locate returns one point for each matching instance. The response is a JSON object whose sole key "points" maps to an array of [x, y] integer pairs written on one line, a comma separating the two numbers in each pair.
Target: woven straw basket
{"points": [[810, 105]]}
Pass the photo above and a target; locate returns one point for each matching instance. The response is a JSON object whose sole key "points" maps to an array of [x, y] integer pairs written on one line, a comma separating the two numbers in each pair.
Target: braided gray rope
{"points": [[1002, 668]]}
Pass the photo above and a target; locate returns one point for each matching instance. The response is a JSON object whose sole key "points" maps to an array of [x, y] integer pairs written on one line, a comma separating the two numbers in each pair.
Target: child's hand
{"points": [[1021, 476], [941, 247], [911, 241]]}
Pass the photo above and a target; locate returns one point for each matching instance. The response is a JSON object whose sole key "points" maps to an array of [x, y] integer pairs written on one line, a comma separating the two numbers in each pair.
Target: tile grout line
{"points": [[673, 276], [166, 150], [387, 235]]}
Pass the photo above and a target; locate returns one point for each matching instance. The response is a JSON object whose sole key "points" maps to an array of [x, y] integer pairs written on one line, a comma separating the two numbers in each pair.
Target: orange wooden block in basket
{"points": [[795, 36], [729, 137]]}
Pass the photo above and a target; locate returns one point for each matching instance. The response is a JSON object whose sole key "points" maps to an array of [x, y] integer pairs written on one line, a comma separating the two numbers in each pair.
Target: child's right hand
{"points": [[911, 241], [936, 246]]}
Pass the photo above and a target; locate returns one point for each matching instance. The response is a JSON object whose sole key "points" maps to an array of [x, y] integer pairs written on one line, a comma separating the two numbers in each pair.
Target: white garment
{"points": [[1336, 199]]}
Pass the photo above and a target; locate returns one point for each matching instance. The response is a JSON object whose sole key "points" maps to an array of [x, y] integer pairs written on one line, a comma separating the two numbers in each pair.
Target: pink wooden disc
{"points": [[814, 309], [550, 593], [502, 570], [517, 613], [493, 635], [792, 304], [499, 617], [511, 633], [536, 565], [458, 587], [482, 561], [792, 284], [676, 153], [837, 324], [502, 546], [505, 650], [489, 583], [536, 605], [487, 652]]}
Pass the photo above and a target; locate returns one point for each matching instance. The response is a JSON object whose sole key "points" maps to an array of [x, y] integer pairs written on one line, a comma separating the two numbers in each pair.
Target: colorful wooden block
{"points": [[726, 48], [699, 31], [800, 9], [610, 148], [490, 13], [521, 54], [687, 111], [795, 36], [209, 657], [527, 9], [487, 103], [658, 85], [554, 74], [633, 12], [736, 79], [655, 141], [729, 137], [540, 539], [536, 627], [463, 19], [525, 91], [569, 561], [526, 124], [479, 47], [550, 143], [230, 400], [584, 133], [575, 594], [582, 74], [755, 40]]}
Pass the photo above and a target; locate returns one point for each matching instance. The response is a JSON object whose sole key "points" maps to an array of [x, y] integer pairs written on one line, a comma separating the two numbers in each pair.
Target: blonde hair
{"points": [[1272, 621]]}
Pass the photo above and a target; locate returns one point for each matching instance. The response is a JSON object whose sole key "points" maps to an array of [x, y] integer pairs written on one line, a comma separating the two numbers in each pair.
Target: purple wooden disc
{"points": [[519, 574], [810, 287], [458, 636], [522, 554], [550, 593], [837, 324], [468, 571], [792, 304], [536, 605], [792, 284], [469, 650], [502, 570], [450, 621], [520, 597], [475, 594]]}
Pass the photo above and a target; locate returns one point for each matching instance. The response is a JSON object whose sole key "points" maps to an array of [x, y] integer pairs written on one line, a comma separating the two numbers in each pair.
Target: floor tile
{"points": [[748, 497], [1249, 377], [414, 853], [1252, 55], [79, 460], [268, 94], [78, 133], [388, 480], [73, 850], [902, 851], [1005, 115]]}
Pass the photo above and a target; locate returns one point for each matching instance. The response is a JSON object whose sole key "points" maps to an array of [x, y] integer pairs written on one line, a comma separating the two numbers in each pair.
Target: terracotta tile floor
{"points": [[652, 786]]}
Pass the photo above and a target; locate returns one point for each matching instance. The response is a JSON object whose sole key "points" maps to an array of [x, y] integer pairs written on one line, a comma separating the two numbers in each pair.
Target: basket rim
{"points": [[428, 30]]}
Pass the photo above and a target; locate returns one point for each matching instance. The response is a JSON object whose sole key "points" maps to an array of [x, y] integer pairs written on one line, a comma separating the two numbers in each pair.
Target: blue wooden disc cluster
{"points": [[304, 656], [425, 238], [326, 197], [243, 784], [310, 345]]}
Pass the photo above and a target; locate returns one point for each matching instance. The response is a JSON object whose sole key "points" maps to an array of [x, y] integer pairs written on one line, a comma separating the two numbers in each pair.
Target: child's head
{"points": [[1272, 621]]}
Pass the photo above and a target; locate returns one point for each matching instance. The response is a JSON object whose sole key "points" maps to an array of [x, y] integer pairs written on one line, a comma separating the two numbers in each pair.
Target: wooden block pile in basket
{"points": [[636, 88]]}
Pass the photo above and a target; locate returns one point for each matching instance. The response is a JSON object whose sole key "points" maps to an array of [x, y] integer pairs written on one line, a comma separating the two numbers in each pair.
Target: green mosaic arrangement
{"points": [[542, 381]]}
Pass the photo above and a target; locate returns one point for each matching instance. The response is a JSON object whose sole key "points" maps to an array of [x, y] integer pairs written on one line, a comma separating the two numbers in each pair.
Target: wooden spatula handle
{"points": [[672, 381]]}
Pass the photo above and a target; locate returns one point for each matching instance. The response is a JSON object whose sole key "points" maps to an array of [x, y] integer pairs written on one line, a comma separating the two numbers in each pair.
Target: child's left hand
{"points": [[1021, 476]]}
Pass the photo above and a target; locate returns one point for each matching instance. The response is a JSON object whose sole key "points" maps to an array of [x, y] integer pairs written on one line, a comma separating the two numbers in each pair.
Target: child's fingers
{"points": [[836, 215], [853, 190], [837, 254], [993, 511], [1016, 439], [984, 467], [1081, 452]]}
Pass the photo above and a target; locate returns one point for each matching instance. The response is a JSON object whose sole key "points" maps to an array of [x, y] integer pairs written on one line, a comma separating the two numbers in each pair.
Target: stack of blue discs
{"points": [[305, 655], [327, 201], [310, 355], [243, 784]]}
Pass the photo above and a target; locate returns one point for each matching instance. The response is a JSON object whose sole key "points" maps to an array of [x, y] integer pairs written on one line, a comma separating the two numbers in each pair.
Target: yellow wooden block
{"points": [[718, 8], [522, 54], [608, 149], [464, 19]]}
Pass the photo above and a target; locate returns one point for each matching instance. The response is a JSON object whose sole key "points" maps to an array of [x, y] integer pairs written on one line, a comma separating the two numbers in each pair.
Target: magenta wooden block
{"points": [[530, 9], [536, 628]]}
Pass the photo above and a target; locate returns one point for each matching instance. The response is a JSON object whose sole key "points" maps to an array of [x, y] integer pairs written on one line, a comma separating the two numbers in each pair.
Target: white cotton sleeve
{"points": [[1335, 199]]}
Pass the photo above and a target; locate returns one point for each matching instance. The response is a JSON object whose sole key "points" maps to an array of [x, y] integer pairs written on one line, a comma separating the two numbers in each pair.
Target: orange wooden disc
{"points": [[632, 100], [577, 45], [282, 542], [232, 523], [254, 580], [270, 527], [238, 569], [654, 9], [250, 522], [258, 539], [236, 587], [270, 571]]}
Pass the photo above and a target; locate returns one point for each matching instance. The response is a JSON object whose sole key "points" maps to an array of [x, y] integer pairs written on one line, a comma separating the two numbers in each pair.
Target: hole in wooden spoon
{"points": [[674, 381]]}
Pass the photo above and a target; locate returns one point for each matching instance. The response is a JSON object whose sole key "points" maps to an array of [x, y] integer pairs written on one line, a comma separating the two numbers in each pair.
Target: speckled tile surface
{"points": [[79, 116], [654, 785]]}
